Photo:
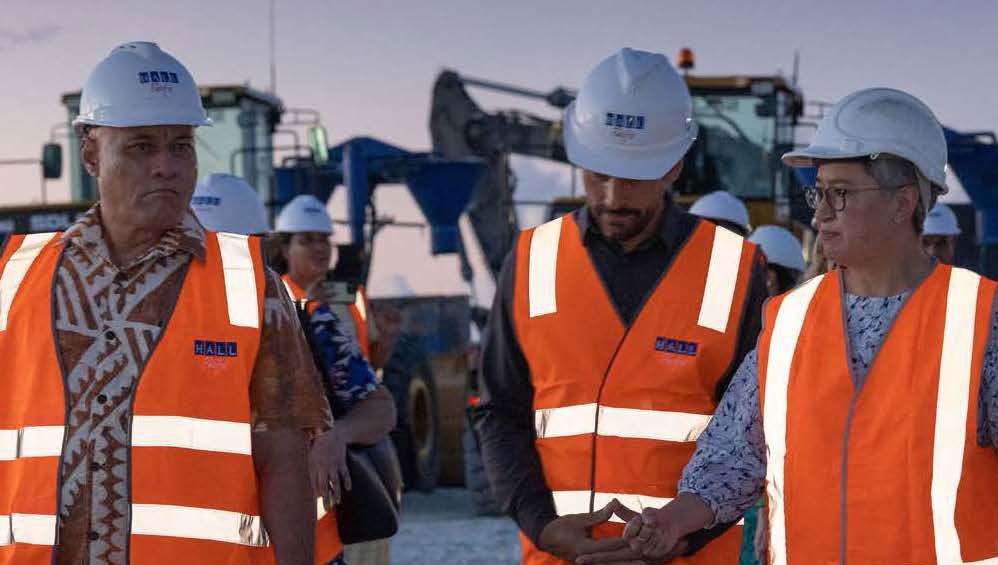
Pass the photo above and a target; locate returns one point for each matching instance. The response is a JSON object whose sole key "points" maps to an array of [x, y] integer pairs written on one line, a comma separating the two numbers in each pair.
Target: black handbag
{"points": [[370, 509]]}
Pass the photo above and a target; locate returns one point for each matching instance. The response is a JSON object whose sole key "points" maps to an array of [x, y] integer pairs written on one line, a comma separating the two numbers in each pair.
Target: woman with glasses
{"points": [[869, 411]]}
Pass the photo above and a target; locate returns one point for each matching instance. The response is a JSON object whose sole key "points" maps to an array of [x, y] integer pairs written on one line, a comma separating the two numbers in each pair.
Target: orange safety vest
{"points": [[327, 534], [358, 312], [194, 496], [618, 408], [890, 474]]}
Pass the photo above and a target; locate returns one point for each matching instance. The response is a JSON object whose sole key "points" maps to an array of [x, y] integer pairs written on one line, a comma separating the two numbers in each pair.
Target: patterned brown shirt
{"points": [[108, 319]]}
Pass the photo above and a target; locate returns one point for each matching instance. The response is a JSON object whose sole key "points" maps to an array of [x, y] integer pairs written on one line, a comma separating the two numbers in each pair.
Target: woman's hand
{"points": [[328, 466]]}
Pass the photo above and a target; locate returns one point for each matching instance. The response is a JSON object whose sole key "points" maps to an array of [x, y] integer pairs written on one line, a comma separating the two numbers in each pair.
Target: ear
{"points": [[674, 172], [907, 198], [90, 154]]}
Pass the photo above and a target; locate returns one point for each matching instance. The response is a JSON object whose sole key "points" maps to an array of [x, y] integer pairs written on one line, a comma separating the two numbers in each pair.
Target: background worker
{"points": [[784, 257], [614, 328], [724, 209], [892, 357], [224, 202], [301, 252], [155, 401], [939, 234]]}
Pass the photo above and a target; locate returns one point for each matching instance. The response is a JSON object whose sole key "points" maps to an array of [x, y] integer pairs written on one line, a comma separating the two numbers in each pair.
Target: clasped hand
{"points": [[648, 538]]}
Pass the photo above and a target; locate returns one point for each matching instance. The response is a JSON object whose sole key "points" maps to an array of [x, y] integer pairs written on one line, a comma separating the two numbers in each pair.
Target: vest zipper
{"points": [[599, 396]]}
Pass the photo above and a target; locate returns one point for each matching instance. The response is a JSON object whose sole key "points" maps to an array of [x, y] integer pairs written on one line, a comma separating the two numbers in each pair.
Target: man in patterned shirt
{"points": [[123, 276]]}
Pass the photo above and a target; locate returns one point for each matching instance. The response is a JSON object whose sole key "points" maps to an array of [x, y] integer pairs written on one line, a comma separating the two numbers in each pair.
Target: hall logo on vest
{"points": [[204, 348], [677, 346]]}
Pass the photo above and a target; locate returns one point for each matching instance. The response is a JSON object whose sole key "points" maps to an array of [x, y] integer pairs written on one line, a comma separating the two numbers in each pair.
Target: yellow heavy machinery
{"points": [[746, 123]]}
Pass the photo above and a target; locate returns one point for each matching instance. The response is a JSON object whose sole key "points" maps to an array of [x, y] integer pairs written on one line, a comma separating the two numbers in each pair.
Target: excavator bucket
{"points": [[443, 190]]}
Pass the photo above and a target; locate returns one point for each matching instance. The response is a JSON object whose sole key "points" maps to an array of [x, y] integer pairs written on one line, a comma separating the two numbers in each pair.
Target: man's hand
{"points": [[568, 536], [631, 555], [328, 466]]}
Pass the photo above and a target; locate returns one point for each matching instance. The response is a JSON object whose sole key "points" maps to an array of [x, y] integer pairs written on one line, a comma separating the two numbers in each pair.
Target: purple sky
{"points": [[368, 66]]}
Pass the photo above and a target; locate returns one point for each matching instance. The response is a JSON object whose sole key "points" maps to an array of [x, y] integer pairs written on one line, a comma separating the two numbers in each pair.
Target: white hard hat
{"points": [[227, 203], [879, 120], [305, 213], [779, 246], [140, 85], [632, 119], [721, 205], [941, 221]]}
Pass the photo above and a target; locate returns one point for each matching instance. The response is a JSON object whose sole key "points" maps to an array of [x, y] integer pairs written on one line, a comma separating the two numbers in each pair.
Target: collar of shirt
{"points": [[186, 237], [673, 227]]}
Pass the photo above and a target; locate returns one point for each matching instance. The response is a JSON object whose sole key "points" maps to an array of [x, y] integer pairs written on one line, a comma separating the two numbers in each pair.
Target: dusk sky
{"points": [[368, 66]]}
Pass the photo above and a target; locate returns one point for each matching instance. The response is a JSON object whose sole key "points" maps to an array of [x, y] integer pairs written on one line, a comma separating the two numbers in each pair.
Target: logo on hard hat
{"points": [[206, 201], [627, 121], [158, 76], [312, 210], [159, 81]]}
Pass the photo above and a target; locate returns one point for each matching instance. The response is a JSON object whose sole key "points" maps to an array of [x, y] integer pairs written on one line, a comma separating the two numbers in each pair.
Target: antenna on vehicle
{"points": [[273, 64], [793, 78]]}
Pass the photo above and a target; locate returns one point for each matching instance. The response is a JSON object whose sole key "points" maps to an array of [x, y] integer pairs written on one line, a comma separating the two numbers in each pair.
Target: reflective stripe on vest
{"points": [[543, 267], [718, 291], [952, 405], [33, 529], [192, 433], [361, 305], [287, 287], [198, 523], [16, 268], [789, 321], [577, 502], [31, 441], [240, 280], [619, 422]]}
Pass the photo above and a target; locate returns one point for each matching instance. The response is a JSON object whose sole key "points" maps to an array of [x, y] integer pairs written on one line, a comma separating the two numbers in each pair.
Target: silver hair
{"points": [[891, 172]]}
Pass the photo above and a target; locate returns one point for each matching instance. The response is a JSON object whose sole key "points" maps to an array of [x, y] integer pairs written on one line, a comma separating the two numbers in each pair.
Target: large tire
{"points": [[475, 479], [407, 375]]}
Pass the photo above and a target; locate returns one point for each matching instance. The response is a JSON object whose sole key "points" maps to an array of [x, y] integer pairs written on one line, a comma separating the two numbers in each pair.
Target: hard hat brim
{"points": [[622, 161], [81, 121], [805, 157], [942, 232]]}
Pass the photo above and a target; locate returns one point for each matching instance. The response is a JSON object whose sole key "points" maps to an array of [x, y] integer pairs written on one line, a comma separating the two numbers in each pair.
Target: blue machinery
{"points": [[441, 187], [973, 156]]}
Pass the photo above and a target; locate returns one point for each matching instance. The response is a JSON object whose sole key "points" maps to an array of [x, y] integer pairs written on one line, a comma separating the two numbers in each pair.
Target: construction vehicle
{"points": [[746, 124]]}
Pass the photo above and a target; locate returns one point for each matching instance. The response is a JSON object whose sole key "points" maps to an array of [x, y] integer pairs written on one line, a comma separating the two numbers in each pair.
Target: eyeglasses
{"points": [[836, 197]]}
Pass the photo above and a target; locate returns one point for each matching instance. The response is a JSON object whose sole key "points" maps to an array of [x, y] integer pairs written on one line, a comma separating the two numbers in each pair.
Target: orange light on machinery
{"points": [[685, 60]]}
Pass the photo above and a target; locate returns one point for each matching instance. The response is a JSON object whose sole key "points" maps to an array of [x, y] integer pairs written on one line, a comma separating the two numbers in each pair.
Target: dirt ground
{"points": [[440, 528]]}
